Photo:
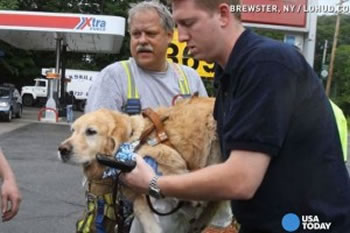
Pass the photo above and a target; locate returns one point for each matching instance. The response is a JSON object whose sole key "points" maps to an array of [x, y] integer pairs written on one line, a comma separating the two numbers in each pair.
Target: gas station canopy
{"points": [[50, 31], [81, 33]]}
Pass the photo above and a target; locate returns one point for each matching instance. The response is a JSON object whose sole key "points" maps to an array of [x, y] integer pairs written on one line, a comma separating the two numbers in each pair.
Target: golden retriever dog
{"points": [[191, 130]]}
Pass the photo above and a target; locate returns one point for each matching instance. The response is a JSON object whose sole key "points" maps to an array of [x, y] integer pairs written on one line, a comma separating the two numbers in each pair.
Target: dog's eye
{"points": [[90, 132]]}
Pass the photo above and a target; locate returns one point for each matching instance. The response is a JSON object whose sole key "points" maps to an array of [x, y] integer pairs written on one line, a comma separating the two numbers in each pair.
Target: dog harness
{"points": [[125, 153], [133, 103], [100, 209]]}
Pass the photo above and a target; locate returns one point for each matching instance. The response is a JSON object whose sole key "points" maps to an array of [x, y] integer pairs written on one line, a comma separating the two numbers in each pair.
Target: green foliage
{"points": [[20, 66], [348, 121], [341, 79], [69, 6], [340, 91], [16, 65], [8, 4], [209, 86], [276, 35]]}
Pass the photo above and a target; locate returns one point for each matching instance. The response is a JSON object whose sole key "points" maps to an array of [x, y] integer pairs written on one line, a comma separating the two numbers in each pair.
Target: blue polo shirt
{"points": [[271, 101]]}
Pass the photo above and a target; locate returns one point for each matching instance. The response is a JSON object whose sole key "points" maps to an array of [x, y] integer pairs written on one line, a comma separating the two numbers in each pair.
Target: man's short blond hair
{"points": [[212, 4]]}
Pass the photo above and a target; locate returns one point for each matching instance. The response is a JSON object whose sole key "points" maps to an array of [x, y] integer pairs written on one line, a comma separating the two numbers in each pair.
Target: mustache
{"points": [[144, 48]]}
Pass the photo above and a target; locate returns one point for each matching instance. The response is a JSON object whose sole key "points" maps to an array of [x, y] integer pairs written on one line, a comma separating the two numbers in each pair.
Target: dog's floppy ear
{"points": [[125, 129], [110, 146]]}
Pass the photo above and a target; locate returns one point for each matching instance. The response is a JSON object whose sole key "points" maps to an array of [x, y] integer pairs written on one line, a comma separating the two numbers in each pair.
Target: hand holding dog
{"points": [[140, 177]]}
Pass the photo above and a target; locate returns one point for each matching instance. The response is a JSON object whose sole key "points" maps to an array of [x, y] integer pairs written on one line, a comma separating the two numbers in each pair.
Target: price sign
{"points": [[178, 53]]}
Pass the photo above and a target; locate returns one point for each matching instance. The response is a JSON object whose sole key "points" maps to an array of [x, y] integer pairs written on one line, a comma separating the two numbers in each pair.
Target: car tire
{"points": [[9, 116], [19, 114], [28, 100], [81, 105]]}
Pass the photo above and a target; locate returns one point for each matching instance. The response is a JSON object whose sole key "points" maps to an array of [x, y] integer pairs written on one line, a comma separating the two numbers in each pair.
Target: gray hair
{"points": [[166, 19]]}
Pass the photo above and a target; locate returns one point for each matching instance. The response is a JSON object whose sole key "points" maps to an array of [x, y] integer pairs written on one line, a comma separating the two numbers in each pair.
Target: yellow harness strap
{"points": [[133, 92], [84, 225], [109, 207]]}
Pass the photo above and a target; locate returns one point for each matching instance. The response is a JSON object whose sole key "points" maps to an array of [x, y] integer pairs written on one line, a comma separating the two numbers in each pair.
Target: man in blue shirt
{"points": [[283, 169]]}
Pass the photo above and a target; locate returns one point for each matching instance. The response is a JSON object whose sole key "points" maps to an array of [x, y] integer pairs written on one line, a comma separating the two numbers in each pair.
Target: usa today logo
{"points": [[291, 222]]}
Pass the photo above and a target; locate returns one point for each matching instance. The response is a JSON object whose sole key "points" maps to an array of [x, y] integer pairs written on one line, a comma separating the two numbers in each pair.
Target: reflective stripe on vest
{"points": [[132, 90], [133, 105], [183, 82], [342, 128]]}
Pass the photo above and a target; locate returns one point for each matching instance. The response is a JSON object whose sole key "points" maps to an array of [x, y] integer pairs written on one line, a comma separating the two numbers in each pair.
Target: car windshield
{"points": [[4, 93]]}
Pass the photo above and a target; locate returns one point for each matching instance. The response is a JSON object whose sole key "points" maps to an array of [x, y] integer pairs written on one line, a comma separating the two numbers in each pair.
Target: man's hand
{"points": [[140, 177], [10, 199]]}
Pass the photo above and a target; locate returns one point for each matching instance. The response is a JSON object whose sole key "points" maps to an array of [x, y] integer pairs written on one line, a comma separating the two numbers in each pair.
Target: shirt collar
{"points": [[239, 45]]}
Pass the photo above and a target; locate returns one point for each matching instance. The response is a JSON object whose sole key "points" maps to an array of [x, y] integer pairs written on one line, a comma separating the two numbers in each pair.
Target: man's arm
{"points": [[10, 195], [238, 177]]}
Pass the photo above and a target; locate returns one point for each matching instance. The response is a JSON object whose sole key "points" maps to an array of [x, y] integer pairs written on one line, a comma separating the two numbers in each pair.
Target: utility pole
{"points": [[324, 52], [324, 67], [334, 48]]}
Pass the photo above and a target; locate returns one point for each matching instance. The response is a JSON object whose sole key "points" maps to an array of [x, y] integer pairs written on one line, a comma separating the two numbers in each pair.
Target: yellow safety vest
{"points": [[342, 128], [133, 104]]}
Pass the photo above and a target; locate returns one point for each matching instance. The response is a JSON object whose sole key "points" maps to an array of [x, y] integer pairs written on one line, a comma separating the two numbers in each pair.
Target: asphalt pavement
{"points": [[53, 197]]}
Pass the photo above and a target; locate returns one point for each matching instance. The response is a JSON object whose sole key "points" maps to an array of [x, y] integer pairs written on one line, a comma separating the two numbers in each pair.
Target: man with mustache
{"points": [[283, 169], [156, 80], [156, 83]]}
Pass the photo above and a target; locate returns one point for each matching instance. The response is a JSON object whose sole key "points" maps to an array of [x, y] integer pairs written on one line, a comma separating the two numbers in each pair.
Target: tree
{"points": [[341, 91], [20, 66], [325, 31], [16, 63], [8, 4]]}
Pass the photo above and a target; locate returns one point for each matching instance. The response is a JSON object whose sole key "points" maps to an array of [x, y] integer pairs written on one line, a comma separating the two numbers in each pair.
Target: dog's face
{"points": [[96, 132]]}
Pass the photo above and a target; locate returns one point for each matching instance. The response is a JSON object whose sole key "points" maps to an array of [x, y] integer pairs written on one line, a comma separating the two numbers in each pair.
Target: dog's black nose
{"points": [[65, 151]]}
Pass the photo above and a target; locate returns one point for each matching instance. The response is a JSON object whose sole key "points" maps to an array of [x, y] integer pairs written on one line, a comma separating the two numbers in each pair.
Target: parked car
{"points": [[10, 102]]}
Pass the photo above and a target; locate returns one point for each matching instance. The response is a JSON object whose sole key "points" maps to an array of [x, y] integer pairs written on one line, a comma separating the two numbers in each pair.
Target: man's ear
{"points": [[170, 36], [224, 13]]}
